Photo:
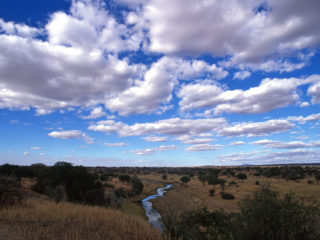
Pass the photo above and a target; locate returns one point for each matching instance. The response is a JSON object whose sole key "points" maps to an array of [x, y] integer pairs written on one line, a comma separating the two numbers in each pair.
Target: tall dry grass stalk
{"points": [[40, 219]]}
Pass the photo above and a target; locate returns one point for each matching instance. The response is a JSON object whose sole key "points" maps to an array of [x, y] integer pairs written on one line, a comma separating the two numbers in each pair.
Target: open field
{"points": [[196, 195]]}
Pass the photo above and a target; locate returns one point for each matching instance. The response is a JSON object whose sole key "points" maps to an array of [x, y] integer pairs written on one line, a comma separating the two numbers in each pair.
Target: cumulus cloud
{"points": [[172, 126], [96, 112], [242, 75], [151, 151], [286, 145], [249, 31], [155, 139], [314, 91], [302, 120], [270, 94], [257, 128], [203, 147], [22, 30], [70, 135], [117, 144], [237, 143]]}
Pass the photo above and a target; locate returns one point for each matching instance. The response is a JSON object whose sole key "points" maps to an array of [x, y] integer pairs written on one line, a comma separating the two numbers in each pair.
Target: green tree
{"points": [[202, 178], [137, 185], [267, 216], [213, 180], [242, 176], [185, 180]]}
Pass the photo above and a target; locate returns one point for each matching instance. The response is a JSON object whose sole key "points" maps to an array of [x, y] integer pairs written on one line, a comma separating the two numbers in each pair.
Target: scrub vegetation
{"points": [[74, 202]]}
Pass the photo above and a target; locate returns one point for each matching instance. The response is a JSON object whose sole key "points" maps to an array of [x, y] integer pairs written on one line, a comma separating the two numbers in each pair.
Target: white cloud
{"points": [[70, 135], [26, 154], [35, 148], [286, 145], [118, 144], [236, 28], [257, 128], [304, 104], [242, 75], [172, 126], [203, 147], [314, 91], [96, 112], [151, 151], [237, 143], [22, 30], [269, 95], [198, 141], [302, 120], [258, 157], [154, 91], [155, 139]]}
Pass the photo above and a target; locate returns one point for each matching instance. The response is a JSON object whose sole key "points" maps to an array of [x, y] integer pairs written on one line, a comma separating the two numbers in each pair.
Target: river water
{"points": [[154, 216]]}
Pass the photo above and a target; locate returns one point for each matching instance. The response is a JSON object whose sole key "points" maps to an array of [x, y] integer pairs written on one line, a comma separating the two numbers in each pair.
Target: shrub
{"points": [[227, 196], [211, 192], [95, 197], [185, 179], [310, 182], [10, 192], [242, 176], [266, 215], [137, 185], [257, 182]]}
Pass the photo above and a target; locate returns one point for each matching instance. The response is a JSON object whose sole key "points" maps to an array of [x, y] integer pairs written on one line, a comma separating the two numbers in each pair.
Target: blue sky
{"points": [[159, 83]]}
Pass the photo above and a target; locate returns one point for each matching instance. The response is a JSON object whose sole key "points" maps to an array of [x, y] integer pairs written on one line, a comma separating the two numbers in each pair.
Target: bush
{"points": [[95, 197], [137, 185], [257, 182], [310, 182], [10, 192], [227, 196], [185, 179], [266, 215], [211, 192]]}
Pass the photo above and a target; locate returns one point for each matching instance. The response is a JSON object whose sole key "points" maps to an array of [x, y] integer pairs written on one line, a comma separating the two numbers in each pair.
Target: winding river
{"points": [[154, 216]]}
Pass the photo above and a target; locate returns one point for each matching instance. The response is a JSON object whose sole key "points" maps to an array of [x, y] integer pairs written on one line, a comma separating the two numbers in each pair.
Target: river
{"points": [[154, 216]]}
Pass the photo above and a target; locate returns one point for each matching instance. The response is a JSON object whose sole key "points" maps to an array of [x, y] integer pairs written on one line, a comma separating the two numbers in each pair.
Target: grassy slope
{"points": [[43, 219]]}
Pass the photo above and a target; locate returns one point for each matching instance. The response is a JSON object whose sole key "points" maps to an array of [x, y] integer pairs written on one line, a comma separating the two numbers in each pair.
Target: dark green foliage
{"points": [[227, 196], [191, 175], [257, 183], [202, 178], [263, 216], [164, 176], [211, 192], [75, 180], [317, 176], [10, 191], [310, 182], [95, 197], [185, 179], [242, 176], [124, 178], [201, 224], [137, 185], [268, 216]]}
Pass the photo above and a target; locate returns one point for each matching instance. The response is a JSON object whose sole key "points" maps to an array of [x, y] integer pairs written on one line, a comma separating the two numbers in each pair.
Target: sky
{"points": [[159, 83]]}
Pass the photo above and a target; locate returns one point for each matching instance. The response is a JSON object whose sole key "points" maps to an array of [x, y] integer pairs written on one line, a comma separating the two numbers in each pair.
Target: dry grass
{"points": [[41, 219], [195, 195]]}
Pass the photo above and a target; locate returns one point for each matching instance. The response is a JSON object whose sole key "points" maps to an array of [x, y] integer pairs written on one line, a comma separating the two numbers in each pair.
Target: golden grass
{"points": [[41, 219], [195, 195]]}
